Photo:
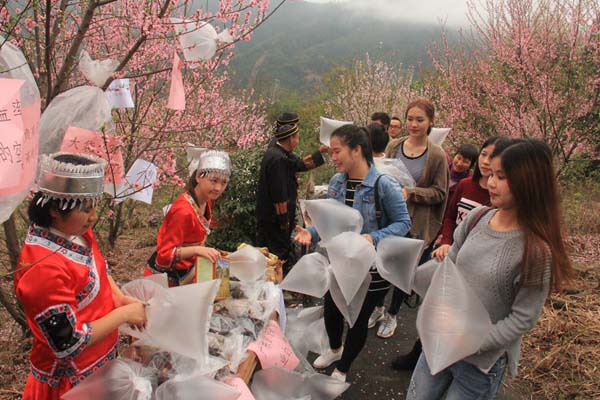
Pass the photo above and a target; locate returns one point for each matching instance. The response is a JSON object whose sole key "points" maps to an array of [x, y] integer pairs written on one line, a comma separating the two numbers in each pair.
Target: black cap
{"points": [[286, 118], [285, 131]]}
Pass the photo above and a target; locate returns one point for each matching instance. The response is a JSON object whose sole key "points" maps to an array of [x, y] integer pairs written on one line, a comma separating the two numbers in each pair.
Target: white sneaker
{"points": [[377, 315], [328, 358], [340, 376], [387, 327]]}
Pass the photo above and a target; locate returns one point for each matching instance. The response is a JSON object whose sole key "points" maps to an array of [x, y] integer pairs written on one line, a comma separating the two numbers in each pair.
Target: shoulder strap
{"points": [[379, 211], [477, 218]]}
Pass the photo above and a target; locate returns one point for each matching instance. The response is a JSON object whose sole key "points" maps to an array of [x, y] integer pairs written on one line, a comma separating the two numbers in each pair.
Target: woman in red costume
{"points": [[72, 305], [183, 233]]}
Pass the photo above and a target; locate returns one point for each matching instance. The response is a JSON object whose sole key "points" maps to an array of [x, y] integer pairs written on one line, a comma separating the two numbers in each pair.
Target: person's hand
{"points": [[438, 241], [303, 236], [209, 253], [405, 193], [323, 148], [124, 300], [368, 237], [441, 252], [135, 315]]}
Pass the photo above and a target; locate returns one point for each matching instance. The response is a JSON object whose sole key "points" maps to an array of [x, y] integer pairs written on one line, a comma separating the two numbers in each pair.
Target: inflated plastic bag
{"points": [[280, 384], [18, 176], [438, 135], [397, 259], [199, 41], [310, 275], [350, 311], [330, 218], [96, 71], [396, 169], [117, 380], [423, 275], [452, 322], [195, 387], [247, 264], [351, 257], [178, 317], [328, 126], [85, 107]]}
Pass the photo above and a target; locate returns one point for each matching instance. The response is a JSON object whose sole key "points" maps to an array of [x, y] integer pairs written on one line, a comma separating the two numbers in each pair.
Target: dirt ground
{"points": [[559, 359]]}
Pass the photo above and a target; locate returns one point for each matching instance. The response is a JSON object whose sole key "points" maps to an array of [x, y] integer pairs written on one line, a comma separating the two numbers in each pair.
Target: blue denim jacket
{"points": [[395, 218]]}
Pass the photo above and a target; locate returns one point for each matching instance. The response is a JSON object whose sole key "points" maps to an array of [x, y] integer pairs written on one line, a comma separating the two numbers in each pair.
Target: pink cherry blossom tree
{"points": [[527, 68]]}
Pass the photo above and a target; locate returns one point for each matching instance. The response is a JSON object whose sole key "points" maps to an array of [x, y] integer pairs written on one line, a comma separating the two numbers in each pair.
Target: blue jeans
{"points": [[460, 381]]}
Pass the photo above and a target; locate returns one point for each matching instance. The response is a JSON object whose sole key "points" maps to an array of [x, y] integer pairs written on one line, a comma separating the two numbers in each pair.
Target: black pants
{"points": [[357, 335], [398, 296], [277, 241]]}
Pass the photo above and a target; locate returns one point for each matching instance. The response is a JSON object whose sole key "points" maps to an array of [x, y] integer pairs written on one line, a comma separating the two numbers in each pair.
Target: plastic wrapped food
{"points": [[452, 322], [397, 259], [117, 380], [330, 218]]}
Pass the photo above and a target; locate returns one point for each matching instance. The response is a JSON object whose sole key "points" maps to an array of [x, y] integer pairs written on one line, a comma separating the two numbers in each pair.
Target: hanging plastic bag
{"points": [[117, 380], [396, 169], [196, 387], [178, 318], [21, 166], [397, 259], [85, 107], [452, 322], [247, 264], [310, 275], [351, 257], [330, 218], [423, 275], [199, 40], [327, 127], [96, 71]]}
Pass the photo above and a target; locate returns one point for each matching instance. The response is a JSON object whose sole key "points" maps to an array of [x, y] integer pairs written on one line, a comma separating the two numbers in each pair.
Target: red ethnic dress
{"points": [[184, 225], [63, 286]]}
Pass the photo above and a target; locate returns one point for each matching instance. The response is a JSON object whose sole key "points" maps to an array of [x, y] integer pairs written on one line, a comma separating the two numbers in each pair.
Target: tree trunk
{"points": [[12, 244], [115, 226]]}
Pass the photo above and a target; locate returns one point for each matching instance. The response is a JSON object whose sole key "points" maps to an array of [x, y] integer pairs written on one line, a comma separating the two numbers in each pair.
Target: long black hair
{"points": [[354, 136], [499, 142]]}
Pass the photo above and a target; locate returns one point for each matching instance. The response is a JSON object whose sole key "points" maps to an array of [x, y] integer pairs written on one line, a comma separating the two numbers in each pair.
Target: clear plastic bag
{"points": [[396, 169], [438, 135], [96, 71], [310, 275], [196, 387], [247, 264], [281, 384], [452, 322], [350, 311], [397, 259], [351, 257], [423, 275], [199, 40], [330, 218], [297, 330], [85, 107], [327, 127], [117, 380]]}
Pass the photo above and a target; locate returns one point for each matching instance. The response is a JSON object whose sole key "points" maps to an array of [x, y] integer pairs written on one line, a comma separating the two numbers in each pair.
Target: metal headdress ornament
{"points": [[70, 183], [193, 157], [214, 161]]}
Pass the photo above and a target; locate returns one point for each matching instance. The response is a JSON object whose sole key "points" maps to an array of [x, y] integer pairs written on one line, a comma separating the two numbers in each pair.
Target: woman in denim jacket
{"points": [[354, 185]]}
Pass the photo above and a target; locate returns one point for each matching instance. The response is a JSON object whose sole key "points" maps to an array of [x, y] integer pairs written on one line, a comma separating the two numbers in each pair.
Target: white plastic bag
{"points": [[452, 322], [351, 257], [330, 218], [247, 264], [396, 169], [196, 387], [438, 135], [423, 275], [350, 311], [310, 275], [84, 107], [199, 40], [96, 71], [299, 319], [117, 380], [280, 384], [397, 259], [328, 126]]}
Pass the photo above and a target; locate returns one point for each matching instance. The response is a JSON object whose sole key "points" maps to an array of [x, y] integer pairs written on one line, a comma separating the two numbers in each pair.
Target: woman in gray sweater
{"points": [[511, 256]]}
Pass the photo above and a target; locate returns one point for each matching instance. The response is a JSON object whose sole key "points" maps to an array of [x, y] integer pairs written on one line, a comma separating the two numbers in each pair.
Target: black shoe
{"points": [[408, 361]]}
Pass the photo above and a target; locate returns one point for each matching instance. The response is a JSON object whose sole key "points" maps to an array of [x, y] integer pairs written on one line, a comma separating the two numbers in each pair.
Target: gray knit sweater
{"points": [[490, 262]]}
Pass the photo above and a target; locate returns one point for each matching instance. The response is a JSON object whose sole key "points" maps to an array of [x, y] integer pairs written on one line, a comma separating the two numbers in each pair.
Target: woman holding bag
{"points": [[511, 256], [356, 185]]}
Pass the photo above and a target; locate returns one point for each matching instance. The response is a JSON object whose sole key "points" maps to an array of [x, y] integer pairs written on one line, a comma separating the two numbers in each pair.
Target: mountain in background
{"points": [[302, 41]]}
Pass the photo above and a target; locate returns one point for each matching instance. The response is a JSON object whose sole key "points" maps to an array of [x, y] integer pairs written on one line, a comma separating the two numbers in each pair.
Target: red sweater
{"points": [[467, 195]]}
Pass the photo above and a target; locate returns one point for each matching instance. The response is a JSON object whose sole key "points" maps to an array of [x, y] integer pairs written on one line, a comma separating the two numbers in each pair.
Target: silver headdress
{"points": [[193, 157], [70, 183], [215, 161]]}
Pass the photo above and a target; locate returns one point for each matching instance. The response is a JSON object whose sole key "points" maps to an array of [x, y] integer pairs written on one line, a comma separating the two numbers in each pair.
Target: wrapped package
{"points": [[247, 264], [310, 275], [96, 71], [351, 257], [452, 322], [117, 380], [330, 218], [397, 259], [195, 387]]}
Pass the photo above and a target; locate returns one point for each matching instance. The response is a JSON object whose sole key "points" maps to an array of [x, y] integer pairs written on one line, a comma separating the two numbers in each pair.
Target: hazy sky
{"points": [[453, 11]]}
